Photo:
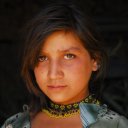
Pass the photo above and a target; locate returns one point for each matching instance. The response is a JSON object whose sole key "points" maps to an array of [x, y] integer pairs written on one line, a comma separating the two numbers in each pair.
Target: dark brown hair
{"points": [[59, 17]]}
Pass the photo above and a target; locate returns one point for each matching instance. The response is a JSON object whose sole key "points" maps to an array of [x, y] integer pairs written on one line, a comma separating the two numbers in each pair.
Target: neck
{"points": [[60, 111]]}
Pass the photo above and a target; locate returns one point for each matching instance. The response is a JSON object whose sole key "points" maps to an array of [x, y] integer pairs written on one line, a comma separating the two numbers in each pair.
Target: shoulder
{"points": [[110, 118], [101, 116], [19, 120]]}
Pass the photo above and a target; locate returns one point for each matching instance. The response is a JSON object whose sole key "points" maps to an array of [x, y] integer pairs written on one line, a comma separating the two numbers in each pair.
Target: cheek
{"points": [[79, 67], [40, 78], [79, 71], [39, 74], [40, 69]]}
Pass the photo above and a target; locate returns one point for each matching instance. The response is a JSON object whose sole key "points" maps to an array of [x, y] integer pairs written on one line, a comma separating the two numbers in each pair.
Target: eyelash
{"points": [[42, 58], [71, 56], [67, 56]]}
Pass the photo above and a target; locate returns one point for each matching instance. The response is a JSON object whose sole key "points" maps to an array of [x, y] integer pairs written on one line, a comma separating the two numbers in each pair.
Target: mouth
{"points": [[56, 87]]}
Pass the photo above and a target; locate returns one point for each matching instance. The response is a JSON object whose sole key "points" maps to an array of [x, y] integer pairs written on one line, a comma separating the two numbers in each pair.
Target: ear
{"points": [[95, 65]]}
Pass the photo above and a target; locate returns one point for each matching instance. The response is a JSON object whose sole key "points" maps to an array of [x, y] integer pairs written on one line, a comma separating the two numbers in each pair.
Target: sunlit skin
{"points": [[64, 68]]}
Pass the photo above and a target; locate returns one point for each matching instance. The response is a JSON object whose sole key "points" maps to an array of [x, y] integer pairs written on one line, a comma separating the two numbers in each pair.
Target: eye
{"points": [[69, 56], [42, 58]]}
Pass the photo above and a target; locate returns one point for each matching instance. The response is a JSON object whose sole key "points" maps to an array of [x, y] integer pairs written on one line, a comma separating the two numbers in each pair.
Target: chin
{"points": [[59, 100]]}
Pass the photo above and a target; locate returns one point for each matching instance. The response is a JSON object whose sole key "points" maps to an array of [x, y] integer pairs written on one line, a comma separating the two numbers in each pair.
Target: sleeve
{"points": [[123, 122], [19, 120], [120, 122], [11, 120]]}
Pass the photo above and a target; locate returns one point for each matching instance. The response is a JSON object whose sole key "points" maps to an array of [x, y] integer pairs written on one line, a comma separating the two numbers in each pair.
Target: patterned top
{"points": [[92, 116]]}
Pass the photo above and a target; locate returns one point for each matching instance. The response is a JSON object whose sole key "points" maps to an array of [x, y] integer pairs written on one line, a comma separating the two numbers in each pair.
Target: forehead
{"points": [[62, 41]]}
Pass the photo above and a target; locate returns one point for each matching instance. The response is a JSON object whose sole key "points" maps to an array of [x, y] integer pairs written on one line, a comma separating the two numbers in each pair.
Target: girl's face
{"points": [[64, 68]]}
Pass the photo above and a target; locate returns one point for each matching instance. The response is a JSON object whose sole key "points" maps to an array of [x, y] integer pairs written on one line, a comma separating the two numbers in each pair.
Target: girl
{"points": [[63, 62]]}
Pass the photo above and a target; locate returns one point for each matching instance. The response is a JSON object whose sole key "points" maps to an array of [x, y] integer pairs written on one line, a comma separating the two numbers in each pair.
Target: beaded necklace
{"points": [[63, 111]]}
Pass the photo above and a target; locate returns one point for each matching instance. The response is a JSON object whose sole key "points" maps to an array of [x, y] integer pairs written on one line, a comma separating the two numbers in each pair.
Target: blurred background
{"points": [[111, 18]]}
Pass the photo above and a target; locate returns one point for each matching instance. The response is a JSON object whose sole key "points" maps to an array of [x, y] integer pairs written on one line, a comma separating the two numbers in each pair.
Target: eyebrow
{"points": [[70, 49], [66, 50]]}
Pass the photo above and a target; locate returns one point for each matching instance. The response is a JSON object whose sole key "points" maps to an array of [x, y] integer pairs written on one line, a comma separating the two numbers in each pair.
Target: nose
{"points": [[55, 70]]}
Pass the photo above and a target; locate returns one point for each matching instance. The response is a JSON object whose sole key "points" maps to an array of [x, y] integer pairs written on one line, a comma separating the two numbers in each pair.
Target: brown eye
{"points": [[69, 56], [42, 58]]}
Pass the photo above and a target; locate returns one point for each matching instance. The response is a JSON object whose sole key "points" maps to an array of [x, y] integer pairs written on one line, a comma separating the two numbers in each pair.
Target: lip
{"points": [[55, 87]]}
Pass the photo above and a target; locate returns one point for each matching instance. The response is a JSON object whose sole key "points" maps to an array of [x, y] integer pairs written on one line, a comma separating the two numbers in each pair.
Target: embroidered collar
{"points": [[61, 111]]}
